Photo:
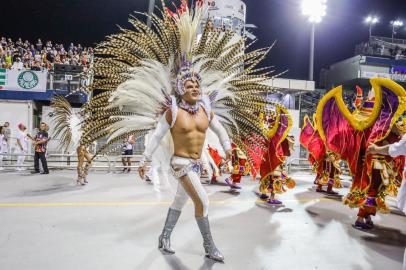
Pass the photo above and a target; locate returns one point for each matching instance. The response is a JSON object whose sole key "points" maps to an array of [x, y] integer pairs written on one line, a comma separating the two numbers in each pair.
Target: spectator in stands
{"points": [[46, 56], [36, 66], [40, 146], [22, 145], [3, 42], [8, 60], [18, 65], [39, 45]]}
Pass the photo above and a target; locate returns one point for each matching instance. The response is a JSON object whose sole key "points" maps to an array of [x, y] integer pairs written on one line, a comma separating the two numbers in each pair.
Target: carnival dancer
{"points": [[274, 179], [239, 168], [166, 79], [310, 139], [216, 162], [349, 135], [396, 150], [331, 174], [69, 126]]}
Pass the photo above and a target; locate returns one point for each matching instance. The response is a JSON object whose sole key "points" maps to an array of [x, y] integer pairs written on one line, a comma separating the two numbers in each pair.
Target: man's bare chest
{"points": [[186, 123]]}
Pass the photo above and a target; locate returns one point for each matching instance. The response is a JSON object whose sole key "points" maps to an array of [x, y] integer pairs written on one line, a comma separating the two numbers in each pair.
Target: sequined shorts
{"points": [[180, 166]]}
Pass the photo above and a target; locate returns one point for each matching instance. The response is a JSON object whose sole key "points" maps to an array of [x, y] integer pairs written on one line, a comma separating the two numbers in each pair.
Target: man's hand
{"points": [[141, 171], [373, 149]]}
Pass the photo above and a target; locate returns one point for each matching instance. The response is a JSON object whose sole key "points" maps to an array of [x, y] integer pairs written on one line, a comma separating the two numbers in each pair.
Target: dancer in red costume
{"points": [[218, 162], [349, 135], [325, 164], [240, 168], [274, 179]]}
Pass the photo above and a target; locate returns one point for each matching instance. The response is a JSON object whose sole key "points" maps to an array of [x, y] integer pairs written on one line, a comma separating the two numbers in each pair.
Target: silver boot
{"points": [[210, 248], [164, 239]]}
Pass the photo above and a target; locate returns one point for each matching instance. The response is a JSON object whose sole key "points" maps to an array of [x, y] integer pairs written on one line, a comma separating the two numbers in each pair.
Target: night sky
{"points": [[88, 21]]}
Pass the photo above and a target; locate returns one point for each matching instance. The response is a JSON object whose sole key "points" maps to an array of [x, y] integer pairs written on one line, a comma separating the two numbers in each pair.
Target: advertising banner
{"points": [[23, 80]]}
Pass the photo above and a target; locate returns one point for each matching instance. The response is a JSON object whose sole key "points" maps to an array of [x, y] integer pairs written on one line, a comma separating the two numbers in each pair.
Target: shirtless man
{"points": [[188, 126]]}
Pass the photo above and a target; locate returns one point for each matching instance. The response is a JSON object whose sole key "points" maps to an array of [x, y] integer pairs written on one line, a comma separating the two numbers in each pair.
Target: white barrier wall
{"points": [[16, 112]]}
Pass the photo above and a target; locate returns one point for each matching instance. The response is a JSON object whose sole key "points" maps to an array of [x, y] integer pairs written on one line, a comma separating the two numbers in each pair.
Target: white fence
{"points": [[65, 161]]}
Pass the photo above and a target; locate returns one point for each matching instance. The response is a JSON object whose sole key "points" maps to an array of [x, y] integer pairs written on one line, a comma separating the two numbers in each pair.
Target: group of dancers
{"points": [[356, 138], [181, 82]]}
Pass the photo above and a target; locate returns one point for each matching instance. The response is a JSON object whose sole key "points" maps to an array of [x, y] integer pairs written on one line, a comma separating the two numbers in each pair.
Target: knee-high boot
{"points": [[164, 239], [210, 248]]}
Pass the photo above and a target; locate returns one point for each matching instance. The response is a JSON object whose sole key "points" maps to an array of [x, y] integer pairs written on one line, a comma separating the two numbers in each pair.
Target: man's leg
{"points": [[36, 162], [79, 167], [44, 163], [129, 164], [88, 158], [172, 217], [193, 187], [20, 160], [330, 187], [124, 163]]}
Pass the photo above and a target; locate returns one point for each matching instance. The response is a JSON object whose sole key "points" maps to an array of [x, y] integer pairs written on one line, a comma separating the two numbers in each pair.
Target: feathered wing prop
{"points": [[349, 134], [67, 124], [137, 69], [311, 140]]}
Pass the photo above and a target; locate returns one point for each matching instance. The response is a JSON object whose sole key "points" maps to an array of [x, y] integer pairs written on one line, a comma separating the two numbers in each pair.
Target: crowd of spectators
{"points": [[375, 48], [38, 56]]}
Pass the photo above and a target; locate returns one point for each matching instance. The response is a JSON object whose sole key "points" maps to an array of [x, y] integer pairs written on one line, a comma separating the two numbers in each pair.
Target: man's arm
{"points": [[41, 142], [221, 132], [393, 150], [161, 129]]}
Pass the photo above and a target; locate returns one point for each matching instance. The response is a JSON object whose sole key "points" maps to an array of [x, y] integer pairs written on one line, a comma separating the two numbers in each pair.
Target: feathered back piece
{"points": [[67, 124], [139, 68]]}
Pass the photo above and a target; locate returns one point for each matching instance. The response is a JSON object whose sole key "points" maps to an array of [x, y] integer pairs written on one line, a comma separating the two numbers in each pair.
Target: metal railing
{"points": [[55, 161], [66, 161], [299, 164]]}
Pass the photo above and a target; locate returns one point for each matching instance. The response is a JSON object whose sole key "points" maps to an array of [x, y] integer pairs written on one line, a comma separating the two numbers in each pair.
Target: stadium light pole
{"points": [[371, 21], [315, 10], [395, 24], [150, 11]]}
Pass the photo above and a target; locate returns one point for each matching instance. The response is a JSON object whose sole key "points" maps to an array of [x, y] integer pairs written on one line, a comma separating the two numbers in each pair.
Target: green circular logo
{"points": [[27, 79]]}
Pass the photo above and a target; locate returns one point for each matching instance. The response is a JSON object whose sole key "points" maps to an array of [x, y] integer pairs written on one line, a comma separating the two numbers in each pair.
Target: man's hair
{"points": [[193, 80]]}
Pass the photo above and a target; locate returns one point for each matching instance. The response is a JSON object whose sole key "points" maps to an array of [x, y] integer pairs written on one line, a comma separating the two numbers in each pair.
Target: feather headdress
{"points": [[143, 70]]}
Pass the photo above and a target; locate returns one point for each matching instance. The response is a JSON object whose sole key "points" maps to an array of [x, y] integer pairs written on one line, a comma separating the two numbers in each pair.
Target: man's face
{"points": [[6, 124], [43, 126], [192, 90]]}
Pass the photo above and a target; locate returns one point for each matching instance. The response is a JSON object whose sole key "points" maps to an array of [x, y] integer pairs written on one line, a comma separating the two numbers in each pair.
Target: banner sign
{"points": [[397, 77], [23, 80]]}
